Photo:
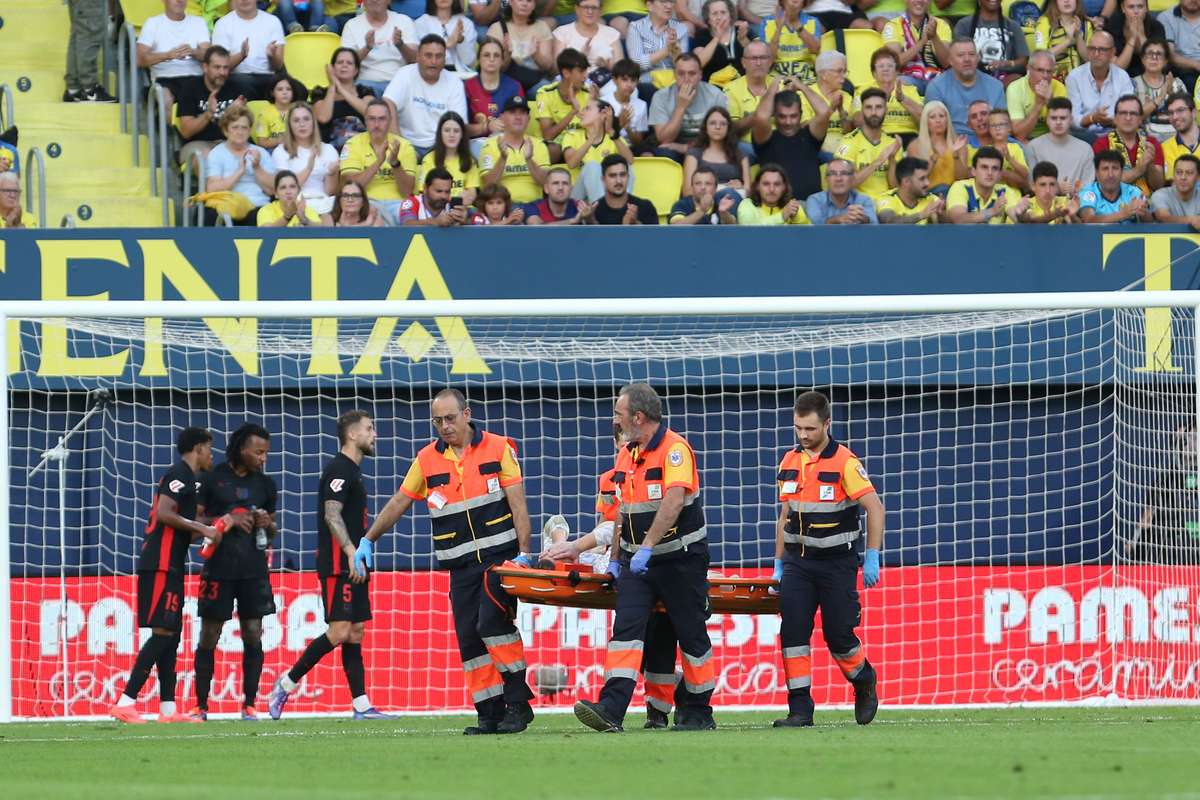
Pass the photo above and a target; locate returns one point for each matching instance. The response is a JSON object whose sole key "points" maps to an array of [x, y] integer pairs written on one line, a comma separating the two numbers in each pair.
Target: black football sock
{"points": [[317, 649], [352, 665], [204, 674], [166, 670], [252, 664], [147, 657]]}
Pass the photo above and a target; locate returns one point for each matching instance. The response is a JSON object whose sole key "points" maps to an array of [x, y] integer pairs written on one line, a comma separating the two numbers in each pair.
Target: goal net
{"points": [[1038, 468]]}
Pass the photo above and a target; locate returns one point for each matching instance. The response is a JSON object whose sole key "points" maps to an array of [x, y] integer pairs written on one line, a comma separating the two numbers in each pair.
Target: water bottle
{"points": [[260, 534]]}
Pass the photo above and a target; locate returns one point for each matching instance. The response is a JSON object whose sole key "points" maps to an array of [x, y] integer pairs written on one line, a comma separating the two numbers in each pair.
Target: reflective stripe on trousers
{"points": [[698, 675], [797, 666], [483, 680], [623, 660], [507, 651]]}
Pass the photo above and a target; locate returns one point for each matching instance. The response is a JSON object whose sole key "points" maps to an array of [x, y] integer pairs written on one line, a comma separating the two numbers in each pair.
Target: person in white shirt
{"points": [[254, 40], [171, 45], [1094, 88], [385, 41], [314, 162], [445, 18], [621, 94], [420, 93]]}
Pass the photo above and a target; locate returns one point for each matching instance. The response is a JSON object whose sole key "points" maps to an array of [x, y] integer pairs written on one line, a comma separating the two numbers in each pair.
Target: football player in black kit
{"points": [[341, 523], [161, 567], [237, 570]]}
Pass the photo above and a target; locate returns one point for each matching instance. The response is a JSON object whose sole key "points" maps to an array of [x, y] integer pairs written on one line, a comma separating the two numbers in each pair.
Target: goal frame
{"points": [[531, 308]]}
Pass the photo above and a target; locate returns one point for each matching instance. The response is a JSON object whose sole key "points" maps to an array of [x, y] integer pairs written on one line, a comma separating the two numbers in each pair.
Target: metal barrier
{"points": [[128, 90], [34, 156], [201, 175], [6, 106], [158, 126]]}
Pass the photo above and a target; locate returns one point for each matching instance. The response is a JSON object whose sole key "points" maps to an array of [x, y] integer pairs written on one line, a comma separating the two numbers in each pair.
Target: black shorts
{"points": [[344, 600], [160, 600], [253, 596]]}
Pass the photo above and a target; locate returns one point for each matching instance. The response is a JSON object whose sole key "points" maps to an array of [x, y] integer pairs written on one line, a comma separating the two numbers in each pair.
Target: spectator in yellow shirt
{"points": [[289, 209], [794, 38], [922, 42], [270, 122], [910, 203], [746, 91], [904, 103], [585, 148], [382, 162], [1028, 97], [872, 152], [514, 158], [559, 104], [1047, 206], [831, 77], [770, 201], [937, 144], [982, 198], [11, 214]]}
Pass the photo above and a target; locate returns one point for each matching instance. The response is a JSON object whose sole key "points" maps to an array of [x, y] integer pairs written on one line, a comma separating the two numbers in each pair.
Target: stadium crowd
{"points": [[512, 112]]}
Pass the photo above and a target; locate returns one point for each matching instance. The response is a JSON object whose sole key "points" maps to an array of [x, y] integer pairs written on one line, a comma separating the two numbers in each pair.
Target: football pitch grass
{"points": [[1020, 753]]}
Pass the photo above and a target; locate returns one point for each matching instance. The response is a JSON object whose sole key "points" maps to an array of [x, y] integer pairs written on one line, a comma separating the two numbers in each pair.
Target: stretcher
{"points": [[577, 586]]}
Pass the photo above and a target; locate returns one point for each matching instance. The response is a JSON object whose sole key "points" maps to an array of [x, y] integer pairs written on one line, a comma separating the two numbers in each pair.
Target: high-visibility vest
{"points": [[472, 521], [608, 500], [822, 519], [640, 484]]}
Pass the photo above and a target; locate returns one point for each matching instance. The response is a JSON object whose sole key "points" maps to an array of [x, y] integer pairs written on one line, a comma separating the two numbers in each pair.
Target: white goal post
{"points": [[1008, 586]]}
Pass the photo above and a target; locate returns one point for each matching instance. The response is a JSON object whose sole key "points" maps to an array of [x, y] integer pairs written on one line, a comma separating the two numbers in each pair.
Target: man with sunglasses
{"points": [[470, 480]]}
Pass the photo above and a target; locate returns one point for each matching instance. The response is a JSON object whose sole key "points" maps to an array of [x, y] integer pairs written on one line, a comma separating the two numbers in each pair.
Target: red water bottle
{"points": [[209, 547]]}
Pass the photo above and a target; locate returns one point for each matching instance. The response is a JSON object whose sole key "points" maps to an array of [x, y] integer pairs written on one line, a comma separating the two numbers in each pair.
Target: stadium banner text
{"points": [[972, 635], [397, 264]]}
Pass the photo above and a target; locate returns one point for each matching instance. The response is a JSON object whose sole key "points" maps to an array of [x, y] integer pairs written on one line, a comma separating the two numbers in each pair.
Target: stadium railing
{"points": [[34, 158], [7, 110]]}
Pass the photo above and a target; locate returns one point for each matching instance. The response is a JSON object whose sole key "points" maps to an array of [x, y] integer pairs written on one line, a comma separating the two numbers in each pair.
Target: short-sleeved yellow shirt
{"points": [[896, 119], [273, 212], [965, 194], [358, 155], [518, 181], [551, 105], [461, 180], [414, 481], [742, 102], [859, 151], [890, 201]]}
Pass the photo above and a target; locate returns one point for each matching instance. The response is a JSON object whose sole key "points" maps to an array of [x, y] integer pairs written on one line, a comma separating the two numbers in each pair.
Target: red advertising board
{"points": [[937, 635]]}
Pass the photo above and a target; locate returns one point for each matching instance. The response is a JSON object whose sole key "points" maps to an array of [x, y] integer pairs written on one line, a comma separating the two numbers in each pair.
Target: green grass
{"points": [[1025, 753]]}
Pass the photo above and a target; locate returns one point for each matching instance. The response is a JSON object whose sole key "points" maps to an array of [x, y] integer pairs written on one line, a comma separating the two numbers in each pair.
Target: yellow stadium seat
{"points": [[138, 11], [659, 180], [860, 43], [305, 56]]}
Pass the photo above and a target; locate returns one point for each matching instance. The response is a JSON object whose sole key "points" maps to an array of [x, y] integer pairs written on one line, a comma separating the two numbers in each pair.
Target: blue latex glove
{"points": [[640, 561], [364, 557], [777, 576], [614, 569], [871, 568], [523, 561]]}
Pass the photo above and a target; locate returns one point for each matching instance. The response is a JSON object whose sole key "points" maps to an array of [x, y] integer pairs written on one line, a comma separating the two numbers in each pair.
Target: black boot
{"points": [[595, 717], [866, 701], [794, 721], [516, 718], [485, 726], [695, 721], [655, 719]]}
